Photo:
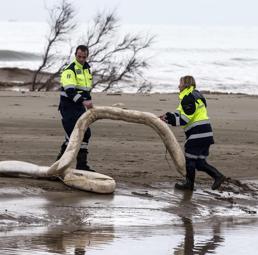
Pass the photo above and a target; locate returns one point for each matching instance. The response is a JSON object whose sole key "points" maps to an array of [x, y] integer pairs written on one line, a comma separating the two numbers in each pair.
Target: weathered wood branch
{"points": [[91, 181], [114, 113]]}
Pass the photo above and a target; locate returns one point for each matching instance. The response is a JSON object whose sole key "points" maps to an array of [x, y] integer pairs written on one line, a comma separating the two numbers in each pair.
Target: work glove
{"points": [[164, 118], [87, 104]]}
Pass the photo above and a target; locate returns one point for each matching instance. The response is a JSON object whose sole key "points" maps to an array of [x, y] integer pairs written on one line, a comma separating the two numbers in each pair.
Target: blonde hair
{"points": [[188, 81]]}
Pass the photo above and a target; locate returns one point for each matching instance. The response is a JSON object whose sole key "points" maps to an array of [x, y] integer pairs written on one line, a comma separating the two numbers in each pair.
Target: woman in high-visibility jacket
{"points": [[192, 115]]}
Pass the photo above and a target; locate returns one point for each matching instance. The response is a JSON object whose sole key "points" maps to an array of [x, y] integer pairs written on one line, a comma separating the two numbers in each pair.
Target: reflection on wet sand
{"points": [[50, 222], [77, 235], [188, 246], [137, 222], [80, 241], [55, 241]]}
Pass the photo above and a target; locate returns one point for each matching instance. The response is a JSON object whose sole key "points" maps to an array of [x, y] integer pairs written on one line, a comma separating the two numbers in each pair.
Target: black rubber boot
{"points": [[185, 185], [188, 184], [62, 150], [215, 174], [82, 160], [218, 181]]}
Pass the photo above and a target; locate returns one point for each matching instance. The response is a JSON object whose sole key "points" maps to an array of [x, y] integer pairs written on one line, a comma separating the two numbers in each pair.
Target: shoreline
{"points": [[13, 87], [18, 79]]}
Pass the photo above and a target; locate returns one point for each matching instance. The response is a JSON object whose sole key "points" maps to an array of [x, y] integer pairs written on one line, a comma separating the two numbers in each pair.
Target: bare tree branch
{"points": [[115, 61], [61, 23]]}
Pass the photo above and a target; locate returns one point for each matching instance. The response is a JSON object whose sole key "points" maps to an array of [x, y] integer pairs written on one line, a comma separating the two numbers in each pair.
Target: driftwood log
{"points": [[114, 113], [89, 180]]}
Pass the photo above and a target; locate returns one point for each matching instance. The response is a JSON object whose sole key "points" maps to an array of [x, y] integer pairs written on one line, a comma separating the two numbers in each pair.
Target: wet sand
{"points": [[145, 211]]}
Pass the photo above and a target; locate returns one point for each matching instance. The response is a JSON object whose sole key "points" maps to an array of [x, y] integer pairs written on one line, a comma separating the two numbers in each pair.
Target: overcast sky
{"points": [[177, 12]]}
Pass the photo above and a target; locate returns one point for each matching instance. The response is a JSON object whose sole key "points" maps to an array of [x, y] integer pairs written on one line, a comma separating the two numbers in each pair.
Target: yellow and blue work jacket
{"points": [[76, 83], [192, 115]]}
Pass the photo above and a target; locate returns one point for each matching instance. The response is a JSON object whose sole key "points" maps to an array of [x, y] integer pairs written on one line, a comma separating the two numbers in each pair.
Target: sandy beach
{"points": [[135, 157], [31, 131]]}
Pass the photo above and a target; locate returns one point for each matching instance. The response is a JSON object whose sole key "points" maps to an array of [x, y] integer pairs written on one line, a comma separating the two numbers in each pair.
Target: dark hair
{"points": [[83, 48], [188, 81]]}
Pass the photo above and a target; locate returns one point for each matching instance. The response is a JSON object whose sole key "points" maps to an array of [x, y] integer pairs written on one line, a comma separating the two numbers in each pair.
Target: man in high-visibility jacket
{"points": [[75, 99], [192, 115]]}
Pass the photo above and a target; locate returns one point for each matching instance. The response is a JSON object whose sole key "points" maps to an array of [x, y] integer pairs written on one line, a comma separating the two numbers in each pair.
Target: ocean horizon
{"points": [[222, 59]]}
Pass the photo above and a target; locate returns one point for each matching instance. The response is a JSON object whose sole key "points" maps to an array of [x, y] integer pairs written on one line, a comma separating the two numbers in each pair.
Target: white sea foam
{"points": [[223, 59]]}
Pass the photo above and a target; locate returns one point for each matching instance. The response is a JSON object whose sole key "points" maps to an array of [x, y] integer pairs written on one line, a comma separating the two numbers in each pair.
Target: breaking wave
{"points": [[9, 55]]}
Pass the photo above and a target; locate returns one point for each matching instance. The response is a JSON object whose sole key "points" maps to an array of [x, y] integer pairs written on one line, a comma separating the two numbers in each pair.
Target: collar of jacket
{"points": [[78, 64], [186, 92], [85, 66]]}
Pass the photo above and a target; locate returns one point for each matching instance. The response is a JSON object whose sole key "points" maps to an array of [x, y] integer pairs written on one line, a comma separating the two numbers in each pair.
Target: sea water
{"points": [[222, 59]]}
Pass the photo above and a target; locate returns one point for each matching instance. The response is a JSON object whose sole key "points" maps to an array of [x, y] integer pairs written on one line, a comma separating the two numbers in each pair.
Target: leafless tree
{"points": [[115, 60], [61, 23], [51, 81]]}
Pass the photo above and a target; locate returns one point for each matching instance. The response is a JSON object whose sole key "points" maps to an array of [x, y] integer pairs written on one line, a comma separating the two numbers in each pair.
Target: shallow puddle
{"points": [[135, 220], [188, 238]]}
